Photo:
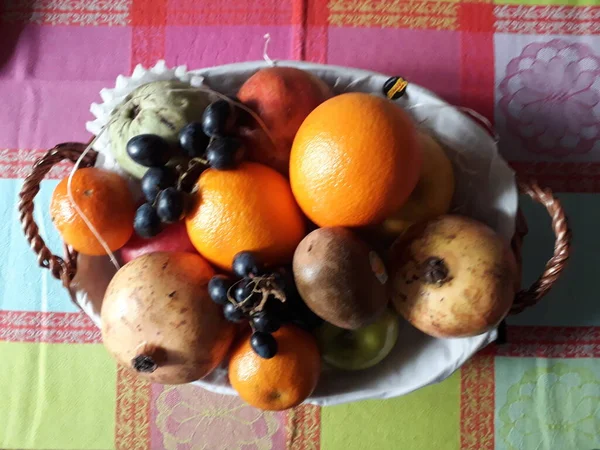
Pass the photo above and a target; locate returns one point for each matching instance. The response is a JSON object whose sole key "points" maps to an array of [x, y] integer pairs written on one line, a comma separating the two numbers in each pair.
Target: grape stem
{"points": [[265, 285], [195, 167]]}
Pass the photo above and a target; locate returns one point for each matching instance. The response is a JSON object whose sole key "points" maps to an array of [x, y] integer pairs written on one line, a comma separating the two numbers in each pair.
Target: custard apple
{"points": [[154, 108]]}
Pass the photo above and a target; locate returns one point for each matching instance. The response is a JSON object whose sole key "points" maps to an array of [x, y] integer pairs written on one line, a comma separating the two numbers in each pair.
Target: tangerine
{"points": [[283, 381], [248, 208], [105, 200], [354, 161]]}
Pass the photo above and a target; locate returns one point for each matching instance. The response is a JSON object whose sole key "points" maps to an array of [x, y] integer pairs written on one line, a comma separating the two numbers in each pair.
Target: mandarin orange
{"points": [[282, 381], [105, 200], [248, 208]]}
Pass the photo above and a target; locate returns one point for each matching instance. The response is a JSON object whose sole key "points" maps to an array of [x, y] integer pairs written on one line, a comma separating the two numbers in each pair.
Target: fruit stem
{"points": [[261, 284], [435, 271], [194, 168]]}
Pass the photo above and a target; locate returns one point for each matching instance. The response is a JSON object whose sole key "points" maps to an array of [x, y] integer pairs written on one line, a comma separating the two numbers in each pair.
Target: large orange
{"points": [[248, 208], [354, 161], [283, 381], [105, 200]]}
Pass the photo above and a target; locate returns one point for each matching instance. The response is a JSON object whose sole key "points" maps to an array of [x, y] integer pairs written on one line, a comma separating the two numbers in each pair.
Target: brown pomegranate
{"points": [[158, 319], [452, 277]]}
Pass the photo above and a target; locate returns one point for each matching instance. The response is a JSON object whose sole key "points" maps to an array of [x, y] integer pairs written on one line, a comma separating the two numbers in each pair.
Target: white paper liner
{"points": [[485, 190]]}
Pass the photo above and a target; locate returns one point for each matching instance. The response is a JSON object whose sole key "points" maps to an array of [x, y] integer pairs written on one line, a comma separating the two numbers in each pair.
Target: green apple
{"points": [[361, 348]]}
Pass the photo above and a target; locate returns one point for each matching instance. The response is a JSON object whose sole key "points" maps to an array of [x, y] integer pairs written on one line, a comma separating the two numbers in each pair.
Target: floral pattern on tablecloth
{"points": [[191, 418], [554, 406], [550, 98]]}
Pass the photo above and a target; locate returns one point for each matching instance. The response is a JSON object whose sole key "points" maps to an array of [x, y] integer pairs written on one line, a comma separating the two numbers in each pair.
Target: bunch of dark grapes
{"points": [[212, 140], [165, 202], [265, 298], [165, 187]]}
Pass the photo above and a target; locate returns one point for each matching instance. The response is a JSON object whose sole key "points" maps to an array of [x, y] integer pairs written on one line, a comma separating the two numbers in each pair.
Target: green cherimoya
{"points": [[160, 107]]}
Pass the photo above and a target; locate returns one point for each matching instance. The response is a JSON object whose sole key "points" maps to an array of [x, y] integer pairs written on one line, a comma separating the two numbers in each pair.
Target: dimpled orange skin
{"points": [[354, 161], [248, 208], [283, 381], [106, 201]]}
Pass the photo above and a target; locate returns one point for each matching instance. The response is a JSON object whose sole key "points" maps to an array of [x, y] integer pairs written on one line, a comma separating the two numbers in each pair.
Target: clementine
{"points": [[248, 208], [354, 161], [283, 381], [105, 200]]}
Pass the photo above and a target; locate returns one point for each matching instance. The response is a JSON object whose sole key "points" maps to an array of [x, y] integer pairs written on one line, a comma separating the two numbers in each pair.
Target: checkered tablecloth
{"points": [[531, 66]]}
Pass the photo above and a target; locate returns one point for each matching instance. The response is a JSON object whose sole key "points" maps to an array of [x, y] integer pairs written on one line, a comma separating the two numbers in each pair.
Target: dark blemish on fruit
{"points": [[166, 122], [180, 324], [134, 111], [88, 192], [165, 265], [274, 395], [172, 294], [442, 299], [309, 248], [183, 310]]}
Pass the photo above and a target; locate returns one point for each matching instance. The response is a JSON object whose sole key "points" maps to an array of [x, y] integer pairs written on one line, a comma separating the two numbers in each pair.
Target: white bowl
{"points": [[485, 190]]}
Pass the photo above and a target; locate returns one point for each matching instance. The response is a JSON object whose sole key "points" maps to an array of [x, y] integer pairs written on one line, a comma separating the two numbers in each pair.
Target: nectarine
{"points": [[282, 97]]}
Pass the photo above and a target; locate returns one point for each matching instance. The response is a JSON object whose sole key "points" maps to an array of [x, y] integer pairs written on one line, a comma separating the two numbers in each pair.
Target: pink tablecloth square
{"points": [[205, 46], [46, 53], [45, 113], [430, 58]]}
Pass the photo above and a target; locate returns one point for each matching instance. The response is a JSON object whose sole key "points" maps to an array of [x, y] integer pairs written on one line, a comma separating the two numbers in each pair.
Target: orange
{"points": [[248, 208], [354, 161], [105, 199], [283, 381]]}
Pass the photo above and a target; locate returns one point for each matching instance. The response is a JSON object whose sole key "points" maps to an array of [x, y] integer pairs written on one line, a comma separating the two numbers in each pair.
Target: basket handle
{"points": [[63, 269], [562, 246]]}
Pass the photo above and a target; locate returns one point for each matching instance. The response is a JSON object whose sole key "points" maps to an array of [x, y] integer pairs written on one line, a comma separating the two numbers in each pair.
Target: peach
{"points": [[282, 97]]}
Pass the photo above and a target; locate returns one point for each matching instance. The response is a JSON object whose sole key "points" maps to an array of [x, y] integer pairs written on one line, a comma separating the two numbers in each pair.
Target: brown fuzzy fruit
{"points": [[340, 278], [452, 277], [158, 319]]}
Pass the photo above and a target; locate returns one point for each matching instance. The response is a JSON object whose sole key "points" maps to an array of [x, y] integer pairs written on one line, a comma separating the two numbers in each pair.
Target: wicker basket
{"points": [[65, 268]]}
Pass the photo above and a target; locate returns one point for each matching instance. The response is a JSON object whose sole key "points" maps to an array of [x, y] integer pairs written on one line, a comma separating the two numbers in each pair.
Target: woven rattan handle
{"points": [[562, 245], [61, 268]]}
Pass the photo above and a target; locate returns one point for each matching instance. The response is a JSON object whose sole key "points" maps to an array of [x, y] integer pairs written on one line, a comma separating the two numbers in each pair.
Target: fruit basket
{"points": [[490, 191]]}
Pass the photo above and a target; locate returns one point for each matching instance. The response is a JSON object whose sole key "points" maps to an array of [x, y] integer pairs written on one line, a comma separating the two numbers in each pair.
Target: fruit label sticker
{"points": [[395, 87], [377, 267]]}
